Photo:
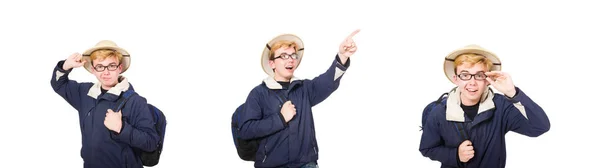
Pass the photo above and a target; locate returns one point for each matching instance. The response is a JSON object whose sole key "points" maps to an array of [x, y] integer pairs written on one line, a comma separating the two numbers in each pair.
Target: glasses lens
{"points": [[112, 67], [464, 76], [99, 68], [480, 76]]}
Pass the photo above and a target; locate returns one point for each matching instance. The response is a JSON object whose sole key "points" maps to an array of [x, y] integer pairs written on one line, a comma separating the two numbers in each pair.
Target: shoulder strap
{"points": [[461, 130], [439, 100], [429, 108], [279, 96], [124, 97]]}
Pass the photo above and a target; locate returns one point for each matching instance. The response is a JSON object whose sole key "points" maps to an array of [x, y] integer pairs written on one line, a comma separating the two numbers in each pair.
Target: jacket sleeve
{"points": [[140, 133], [432, 145], [525, 117], [67, 89], [253, 124], [323, 85]]}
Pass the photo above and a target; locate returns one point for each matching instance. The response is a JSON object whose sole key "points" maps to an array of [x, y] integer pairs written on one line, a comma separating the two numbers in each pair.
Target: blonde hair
{"points": [[282, 44], [472, 59], [106, 53]]}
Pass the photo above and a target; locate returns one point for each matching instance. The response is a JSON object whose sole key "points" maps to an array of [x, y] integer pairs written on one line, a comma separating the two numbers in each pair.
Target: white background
{"points": [[198, 61]]}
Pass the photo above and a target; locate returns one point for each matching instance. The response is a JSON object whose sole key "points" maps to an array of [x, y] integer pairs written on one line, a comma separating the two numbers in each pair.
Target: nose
{"points": [[106, 72], [291, 60], [472, 81]]}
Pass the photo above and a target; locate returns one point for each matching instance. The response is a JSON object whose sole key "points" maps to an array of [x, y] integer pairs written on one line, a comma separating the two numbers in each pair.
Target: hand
{"points": [[288, 110], [502, 82], [73, 61], [113, 121], [465, 151], [348, 47]]}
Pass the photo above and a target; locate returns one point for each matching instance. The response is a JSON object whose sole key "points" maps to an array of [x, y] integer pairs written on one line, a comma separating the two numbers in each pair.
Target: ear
{"points": [[120, 69], [272, 64], [455, 79]]}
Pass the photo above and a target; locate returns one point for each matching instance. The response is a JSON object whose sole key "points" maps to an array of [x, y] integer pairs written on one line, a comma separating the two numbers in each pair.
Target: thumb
{"points": [[110, 110], [468, 143]]}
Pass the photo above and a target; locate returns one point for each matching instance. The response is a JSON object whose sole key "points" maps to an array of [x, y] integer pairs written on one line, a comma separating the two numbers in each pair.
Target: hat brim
{"points": [[288, 37], [125, 62], [449, 61]]}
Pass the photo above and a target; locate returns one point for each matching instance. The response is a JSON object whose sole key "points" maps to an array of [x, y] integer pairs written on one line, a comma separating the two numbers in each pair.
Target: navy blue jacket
{"points": [[497, 115], [103, 148], [291, 144]]}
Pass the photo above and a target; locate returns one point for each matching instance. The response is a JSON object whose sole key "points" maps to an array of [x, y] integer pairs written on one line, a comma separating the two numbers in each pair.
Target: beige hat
{"points": [[289, 37], [106, 44], [474, 49]]}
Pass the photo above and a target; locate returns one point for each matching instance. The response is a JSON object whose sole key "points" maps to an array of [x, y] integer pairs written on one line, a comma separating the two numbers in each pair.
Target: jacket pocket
{"points": [[84, 118]]}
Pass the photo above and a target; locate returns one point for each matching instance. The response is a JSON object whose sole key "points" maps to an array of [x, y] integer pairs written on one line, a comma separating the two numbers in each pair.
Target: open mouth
{"points": [[471, 90], [289, 67]]}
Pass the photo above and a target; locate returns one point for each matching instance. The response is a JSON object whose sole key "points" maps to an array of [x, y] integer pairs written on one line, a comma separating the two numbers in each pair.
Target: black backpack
{"points": [[246, 148], [160, 123]]}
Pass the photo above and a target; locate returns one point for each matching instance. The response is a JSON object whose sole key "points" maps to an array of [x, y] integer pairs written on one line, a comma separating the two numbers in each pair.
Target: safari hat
{"points": [[470, 49], [106, 44], [288, 37]]}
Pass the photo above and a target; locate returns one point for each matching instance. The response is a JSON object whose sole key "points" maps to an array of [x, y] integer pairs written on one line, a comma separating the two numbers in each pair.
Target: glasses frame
{"points": [[471, 76], [285, 56], [104, 68]]}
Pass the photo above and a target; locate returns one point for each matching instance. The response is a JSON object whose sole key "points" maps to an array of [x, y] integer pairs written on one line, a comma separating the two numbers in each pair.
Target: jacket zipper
{"points": [[265, 158]]}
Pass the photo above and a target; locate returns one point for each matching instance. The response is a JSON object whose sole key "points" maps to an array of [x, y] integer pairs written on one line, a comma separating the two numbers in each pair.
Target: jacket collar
{"points": [[455, 113], [122, 86], [271, 83]]}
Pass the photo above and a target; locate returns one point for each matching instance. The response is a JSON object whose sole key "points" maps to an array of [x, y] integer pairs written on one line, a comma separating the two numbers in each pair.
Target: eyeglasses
{"points": [[110, 67], [285, 56], [467, 76]]}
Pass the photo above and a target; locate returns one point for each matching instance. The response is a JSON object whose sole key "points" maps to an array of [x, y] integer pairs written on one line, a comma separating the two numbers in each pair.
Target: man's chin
{"points": [[108, 84]]}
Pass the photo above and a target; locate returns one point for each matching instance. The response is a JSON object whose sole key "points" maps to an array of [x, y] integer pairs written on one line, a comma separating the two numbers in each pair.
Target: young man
{"points": [[468, 129], [111, 139], [278, 111]]}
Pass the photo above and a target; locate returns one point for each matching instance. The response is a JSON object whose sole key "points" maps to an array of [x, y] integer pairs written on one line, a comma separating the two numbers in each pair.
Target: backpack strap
{"points": [[439, 100], [430, 107], [279, 96], [124, 97], [460, 127]]}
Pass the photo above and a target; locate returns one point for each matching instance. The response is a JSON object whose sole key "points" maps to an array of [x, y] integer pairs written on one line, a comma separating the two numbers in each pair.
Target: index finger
{"points": [[353, 33], [493, 73]]}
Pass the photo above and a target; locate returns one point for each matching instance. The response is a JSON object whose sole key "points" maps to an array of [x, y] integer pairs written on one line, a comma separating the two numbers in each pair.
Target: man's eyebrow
{"points": [[468, 71], [108, 64]]}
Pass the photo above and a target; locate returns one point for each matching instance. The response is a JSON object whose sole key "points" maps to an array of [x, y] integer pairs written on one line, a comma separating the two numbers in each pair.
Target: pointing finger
{"points": [[353, 33]]}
